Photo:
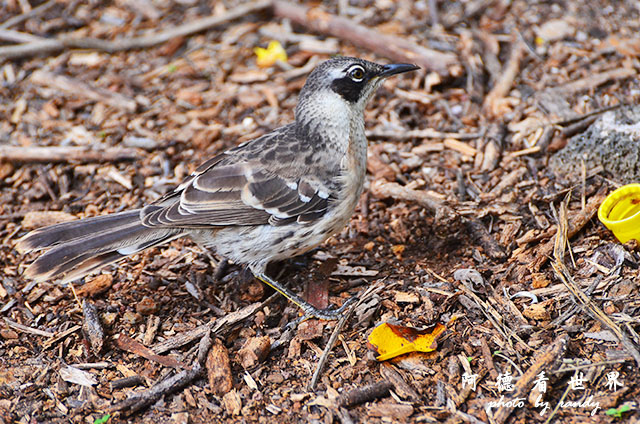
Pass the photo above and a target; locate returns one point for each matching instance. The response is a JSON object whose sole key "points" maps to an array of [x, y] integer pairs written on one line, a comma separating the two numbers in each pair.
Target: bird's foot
{"points": [[329, 314]]}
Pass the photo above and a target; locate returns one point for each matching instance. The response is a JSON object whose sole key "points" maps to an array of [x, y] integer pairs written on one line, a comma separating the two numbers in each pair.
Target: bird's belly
{"points": [[262, 244]]}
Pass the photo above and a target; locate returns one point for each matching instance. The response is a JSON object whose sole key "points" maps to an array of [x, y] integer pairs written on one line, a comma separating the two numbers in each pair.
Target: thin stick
{"points": [[426, 133], [336, 332], [18, 37], [444, 214], [33, 12], [66, 154], [365, 394], [56, 45], [26, 329], [148, 397], [212, 326], [595, 80], [503, 85], [76, 87], [577, 222]]}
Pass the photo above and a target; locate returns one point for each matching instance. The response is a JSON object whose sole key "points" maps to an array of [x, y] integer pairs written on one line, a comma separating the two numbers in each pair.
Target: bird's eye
{"points": [[356, 73]]}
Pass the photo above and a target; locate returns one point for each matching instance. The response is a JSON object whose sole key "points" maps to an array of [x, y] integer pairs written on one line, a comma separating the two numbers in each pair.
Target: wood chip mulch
{"points": [[104, 106]]}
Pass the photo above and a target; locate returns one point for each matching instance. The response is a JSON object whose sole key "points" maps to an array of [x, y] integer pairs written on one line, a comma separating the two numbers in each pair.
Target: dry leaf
{"points": [[390, 340]]}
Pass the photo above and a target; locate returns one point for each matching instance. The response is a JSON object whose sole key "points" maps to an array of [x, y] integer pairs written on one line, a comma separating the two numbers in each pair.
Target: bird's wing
{"points": [[231, 190]]}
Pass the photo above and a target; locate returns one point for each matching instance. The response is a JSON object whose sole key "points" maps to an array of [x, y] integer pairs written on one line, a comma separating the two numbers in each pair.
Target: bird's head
{"points": [[347, 80]]}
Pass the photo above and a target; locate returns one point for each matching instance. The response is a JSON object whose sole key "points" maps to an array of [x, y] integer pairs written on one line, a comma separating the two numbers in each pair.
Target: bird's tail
{"points": [[78, 248]]}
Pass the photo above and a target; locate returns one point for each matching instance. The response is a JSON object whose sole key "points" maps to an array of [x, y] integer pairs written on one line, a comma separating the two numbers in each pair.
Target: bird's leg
{"points": [[309, 310]]}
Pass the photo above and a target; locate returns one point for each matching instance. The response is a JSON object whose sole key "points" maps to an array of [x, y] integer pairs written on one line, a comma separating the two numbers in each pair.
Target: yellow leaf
{"points": [[390, 340], [269, 56]]}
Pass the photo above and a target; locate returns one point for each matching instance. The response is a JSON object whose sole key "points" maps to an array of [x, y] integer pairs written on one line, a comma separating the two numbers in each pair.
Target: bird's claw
{"points": [[328, 314]]}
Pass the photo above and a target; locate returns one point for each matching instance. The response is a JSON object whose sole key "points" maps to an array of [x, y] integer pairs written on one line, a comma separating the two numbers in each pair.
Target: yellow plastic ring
{"points": [[620, 212]]}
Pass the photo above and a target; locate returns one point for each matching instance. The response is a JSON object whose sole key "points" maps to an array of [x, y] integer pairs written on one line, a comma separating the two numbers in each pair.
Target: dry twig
{"points": [[595, 80], [395, 48], [502, 87], [214, 326], [336, 331], [198, 25], [365, 394], [28, 15], [66, 154], [75, 87], [444, 213], [142, 400], [577, 222], [426, 133]]}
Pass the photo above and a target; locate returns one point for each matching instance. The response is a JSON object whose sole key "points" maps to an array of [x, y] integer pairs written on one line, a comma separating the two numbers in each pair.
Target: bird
{"points": [[265, 200]]}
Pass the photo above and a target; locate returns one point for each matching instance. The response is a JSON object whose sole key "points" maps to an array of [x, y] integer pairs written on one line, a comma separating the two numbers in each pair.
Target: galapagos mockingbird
{"points": [[265, 200]]}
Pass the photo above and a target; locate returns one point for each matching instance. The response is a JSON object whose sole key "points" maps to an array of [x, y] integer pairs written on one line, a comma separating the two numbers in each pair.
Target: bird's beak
{"points": [[396, 68]]}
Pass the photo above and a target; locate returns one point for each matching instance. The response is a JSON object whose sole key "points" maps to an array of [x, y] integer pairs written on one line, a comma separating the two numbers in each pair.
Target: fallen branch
{"points": [[426, 133], [66, 154], [494, 100], [18, 37], [444, 214], [213, 326], [198, 25], [148, 397], [30, 14], [595, 80], [395, 48], [75, 87], [141, 400]]}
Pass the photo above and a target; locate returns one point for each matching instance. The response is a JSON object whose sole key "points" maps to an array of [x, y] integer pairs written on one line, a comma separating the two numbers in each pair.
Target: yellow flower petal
{"points": [[269, 56]]}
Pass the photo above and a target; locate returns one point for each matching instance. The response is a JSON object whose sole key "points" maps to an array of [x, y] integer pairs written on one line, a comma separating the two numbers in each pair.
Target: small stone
{"points": [[555, 29]]}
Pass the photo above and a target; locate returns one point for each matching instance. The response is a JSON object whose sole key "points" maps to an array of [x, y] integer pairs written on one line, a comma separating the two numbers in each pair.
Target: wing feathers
{"points": [[229, 190]]}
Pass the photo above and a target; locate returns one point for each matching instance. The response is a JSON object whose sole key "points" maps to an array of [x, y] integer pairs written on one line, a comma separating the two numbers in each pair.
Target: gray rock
{"points": [[613, 142]]}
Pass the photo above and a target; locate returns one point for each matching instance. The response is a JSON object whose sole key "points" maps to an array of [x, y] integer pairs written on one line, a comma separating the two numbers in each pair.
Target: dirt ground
{"points": [[462, 223]]}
